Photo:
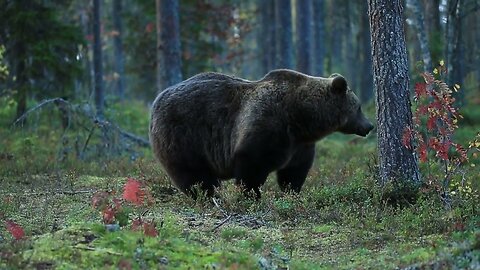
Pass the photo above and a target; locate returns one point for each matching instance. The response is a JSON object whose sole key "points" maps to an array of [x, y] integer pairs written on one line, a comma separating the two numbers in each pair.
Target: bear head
{"points": [[353, 120]]}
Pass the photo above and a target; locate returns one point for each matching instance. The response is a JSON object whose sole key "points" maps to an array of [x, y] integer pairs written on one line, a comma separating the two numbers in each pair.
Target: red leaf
{"points": [[431, 123], [149, 27], [149, 229], [109, 215], [422, 109], [407, 137], [132, 192], [123, 264], [461, 151], [442, 151], [420, 90], [136, 224], [422, 152], [15, 229]]}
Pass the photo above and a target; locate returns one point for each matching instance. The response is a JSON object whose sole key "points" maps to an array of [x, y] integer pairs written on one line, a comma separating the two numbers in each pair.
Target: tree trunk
{"points": [[119, 60], [432, 16], [284, 42], [419, 23], [390, 67], [304, 35], [477, 45], [433, 29], [21, 83], [168, 44], [97, 60], [350, 69], [366, 78], [264, 40], [337, 33], [454, 45], [318, 37], [272, 35]]}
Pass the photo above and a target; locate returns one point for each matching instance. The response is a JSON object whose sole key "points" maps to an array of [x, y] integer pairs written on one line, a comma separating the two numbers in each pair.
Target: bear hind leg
{"points": [[190, 181]]}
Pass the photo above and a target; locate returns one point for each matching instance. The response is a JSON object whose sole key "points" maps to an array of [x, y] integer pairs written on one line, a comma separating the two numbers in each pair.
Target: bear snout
{"points": [[369, 126]]}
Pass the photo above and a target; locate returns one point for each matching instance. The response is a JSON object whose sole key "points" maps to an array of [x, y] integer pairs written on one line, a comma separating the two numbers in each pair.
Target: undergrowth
{"points": [[340, 220]]}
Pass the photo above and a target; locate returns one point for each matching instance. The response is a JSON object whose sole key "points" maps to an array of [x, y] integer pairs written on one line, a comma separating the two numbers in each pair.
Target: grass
{"points": [[340, 220]]}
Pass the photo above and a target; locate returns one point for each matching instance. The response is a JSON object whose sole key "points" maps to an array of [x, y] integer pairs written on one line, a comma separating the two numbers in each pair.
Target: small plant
{"points": [[116, 211], [15, 230], [435, 121]]}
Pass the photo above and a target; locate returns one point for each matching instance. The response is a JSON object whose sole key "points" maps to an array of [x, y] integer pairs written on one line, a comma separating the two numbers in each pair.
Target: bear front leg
{"points": [[257, 154], [249, 175], [292, 176]]}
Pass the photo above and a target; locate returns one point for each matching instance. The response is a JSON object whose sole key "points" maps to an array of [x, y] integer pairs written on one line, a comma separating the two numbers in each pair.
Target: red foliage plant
{"points": [[15, 229], [434, 123], [439, 115], [133, 192], [148, 227], [111, 207]]}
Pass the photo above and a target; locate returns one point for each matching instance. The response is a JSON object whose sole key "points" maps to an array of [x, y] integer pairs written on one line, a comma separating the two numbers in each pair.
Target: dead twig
{"points": [[68, 107], [221, 223], [40, 105], [219, 208], [99, 250], [56, 192]]}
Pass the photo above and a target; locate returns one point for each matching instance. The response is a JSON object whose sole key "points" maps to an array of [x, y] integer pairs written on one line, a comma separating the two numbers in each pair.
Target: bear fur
{"points": [[213, 127]]}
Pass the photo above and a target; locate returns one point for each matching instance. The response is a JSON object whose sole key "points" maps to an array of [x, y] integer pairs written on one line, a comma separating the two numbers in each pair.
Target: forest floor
{"points": [[340, 220]]}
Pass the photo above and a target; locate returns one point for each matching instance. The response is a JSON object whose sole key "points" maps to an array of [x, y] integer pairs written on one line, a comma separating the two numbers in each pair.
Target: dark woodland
{"points": [[228, 134]]}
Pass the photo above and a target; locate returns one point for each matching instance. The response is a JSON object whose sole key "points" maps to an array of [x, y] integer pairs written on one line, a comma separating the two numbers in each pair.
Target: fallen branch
{"points": [[60, 101], [56, 192], [136, 139], [99, 250], [219, 208], [38, 106], [221, 223]]}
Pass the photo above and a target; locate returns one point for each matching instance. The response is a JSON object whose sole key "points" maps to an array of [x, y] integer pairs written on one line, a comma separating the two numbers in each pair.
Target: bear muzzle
{"points": [[367, 128]]}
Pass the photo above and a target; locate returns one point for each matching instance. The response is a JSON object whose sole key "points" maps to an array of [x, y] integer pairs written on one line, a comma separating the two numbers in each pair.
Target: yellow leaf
{"points": [[442, 63], [435, 71]]}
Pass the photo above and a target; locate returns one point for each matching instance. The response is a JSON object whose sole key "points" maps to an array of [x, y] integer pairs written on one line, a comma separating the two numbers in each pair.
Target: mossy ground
{"points": [[339, 221]]}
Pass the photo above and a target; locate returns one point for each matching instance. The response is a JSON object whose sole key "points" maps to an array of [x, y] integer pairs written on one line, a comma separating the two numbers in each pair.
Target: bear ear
{"points": [[339, 84]]}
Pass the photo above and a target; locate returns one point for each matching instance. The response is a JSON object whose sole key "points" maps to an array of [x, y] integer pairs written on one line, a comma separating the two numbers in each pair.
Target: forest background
{"points": [[76, 82]]}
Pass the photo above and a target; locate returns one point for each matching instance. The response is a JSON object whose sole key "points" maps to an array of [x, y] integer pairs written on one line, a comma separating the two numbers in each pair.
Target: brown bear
{"points": [[213, 127]]}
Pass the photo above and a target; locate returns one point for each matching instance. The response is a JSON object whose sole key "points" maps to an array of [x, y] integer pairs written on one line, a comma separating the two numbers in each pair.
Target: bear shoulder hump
{"points": [[281, 75]]}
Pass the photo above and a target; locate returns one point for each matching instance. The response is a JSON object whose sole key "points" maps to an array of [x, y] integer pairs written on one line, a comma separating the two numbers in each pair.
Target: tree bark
{"points": [[21, 83], [454, 48], [97, 61], [318, 37], [337, 34], [432, 16], [419, 22], [168, 44], [272, 35], [433, 29], [397, 163], [119, 60], [477, 44], [266, 37], [304, 35], [366, 78], [283, 33], [350, 69]]}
